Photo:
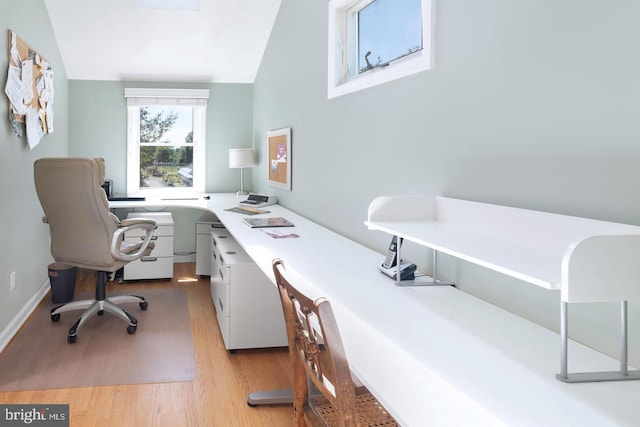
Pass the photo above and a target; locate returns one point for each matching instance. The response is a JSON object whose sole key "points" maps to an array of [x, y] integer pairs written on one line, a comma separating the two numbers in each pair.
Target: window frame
{"points": [[146, 97], [341, 20]]}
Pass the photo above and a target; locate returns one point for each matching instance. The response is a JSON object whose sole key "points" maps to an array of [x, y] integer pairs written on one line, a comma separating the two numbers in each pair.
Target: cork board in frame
{"points": [[279, 162], [34, 92]]}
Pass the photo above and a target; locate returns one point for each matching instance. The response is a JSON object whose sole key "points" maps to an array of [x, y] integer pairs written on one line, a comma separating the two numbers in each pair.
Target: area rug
{"points": [[161, 350]]}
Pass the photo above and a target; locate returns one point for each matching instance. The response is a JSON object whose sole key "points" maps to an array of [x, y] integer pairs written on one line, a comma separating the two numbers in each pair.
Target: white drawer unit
{"points": [[204, 225], [159, 264], [247, 304]]}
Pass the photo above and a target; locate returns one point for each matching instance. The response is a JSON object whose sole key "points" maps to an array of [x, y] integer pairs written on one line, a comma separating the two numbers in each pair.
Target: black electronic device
{"points": [[390, 265], [392, 253], [127, 199], [107, 186], [407, 271]]}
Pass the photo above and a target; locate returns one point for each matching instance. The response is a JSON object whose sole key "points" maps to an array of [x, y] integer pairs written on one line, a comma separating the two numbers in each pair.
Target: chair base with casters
{"points": [[98, 306]]}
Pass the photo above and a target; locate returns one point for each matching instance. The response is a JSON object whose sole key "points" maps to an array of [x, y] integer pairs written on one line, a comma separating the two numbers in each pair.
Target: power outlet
{"points": [[13, 280]]}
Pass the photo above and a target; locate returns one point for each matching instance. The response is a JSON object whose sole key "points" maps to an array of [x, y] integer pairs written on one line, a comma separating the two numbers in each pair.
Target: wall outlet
{"points": [[13, 280]]}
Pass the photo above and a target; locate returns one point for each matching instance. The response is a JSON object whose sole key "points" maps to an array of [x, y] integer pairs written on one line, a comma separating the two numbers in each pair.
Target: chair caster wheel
{"points": [[72, 339], [144, 305], [55, 317], [131, 329]]}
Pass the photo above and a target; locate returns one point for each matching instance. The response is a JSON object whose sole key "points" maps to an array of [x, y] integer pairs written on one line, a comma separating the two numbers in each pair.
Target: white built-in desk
{"points": [[432, 355]]}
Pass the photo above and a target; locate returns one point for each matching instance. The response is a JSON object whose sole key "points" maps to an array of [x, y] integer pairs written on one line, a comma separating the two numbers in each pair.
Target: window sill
{"points": [[420, 61]]}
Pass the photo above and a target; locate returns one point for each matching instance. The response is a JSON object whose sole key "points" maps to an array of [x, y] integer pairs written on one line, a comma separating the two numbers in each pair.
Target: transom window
{"points": [[165, 140], [375, 41]]}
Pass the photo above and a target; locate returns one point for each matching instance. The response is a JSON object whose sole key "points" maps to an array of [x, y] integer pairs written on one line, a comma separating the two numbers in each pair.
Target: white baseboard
{"points": [[184, 258], [14, 326]]}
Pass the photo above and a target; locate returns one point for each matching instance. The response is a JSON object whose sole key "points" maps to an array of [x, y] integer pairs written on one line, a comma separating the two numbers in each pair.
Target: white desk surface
{"points": [[432, 355]]}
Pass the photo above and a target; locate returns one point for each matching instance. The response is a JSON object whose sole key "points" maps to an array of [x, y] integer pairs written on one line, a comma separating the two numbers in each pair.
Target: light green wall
{"points": [[98, 112], [25, 239], [533, 104]]}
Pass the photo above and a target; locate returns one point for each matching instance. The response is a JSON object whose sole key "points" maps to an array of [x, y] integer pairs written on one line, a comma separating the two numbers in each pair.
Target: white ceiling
{"points": [[222, 42]]}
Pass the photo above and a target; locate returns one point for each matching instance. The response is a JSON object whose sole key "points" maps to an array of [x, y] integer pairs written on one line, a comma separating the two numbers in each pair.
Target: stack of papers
{"points": [[267, 222]]}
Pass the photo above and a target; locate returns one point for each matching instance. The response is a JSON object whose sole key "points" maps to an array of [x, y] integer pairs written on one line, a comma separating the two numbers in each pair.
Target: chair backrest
{"points": [[77, 211], [315, 349]]}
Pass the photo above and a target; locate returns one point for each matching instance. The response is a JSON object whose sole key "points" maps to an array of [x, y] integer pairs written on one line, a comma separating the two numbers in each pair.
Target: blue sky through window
{"points": [[389, 29]]}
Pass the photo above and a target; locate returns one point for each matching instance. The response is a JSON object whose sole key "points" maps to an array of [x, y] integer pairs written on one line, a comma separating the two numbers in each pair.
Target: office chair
{"points": [[316, 354], [85, 234]]}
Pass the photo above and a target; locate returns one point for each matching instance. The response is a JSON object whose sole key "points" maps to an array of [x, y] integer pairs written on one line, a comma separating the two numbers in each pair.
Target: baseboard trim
{"points": [[14, 326], [184, 258]]}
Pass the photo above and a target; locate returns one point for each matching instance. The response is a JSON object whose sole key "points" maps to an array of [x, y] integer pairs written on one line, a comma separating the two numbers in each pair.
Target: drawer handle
{"points": [[221, 260], [221, 275], [231, 252], [221, 306], [152, 238], [149, 259], [222, 237]]}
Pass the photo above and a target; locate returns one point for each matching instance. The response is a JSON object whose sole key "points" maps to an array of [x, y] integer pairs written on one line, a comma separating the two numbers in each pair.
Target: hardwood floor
{"points": [[218, 395]]}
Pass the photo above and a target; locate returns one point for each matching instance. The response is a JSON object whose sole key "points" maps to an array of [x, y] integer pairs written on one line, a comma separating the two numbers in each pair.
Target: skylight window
{"points": [[193, 5], [375, 41]]}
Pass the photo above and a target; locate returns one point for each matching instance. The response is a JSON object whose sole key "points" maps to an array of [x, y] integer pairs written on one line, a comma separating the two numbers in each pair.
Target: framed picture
{"points": [[279, 148]]}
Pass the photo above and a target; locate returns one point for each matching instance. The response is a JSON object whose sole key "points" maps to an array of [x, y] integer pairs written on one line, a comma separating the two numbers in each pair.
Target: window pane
{"points": [[166, 147], [388, 30], [166, 125]]}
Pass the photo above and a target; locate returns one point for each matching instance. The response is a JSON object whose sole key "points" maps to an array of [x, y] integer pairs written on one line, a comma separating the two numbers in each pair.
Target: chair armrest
{"points": [[127, 225]]}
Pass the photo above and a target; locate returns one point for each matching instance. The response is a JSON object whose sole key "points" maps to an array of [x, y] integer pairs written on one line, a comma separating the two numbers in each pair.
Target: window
{"points": [[376, 41], [166, 141]]}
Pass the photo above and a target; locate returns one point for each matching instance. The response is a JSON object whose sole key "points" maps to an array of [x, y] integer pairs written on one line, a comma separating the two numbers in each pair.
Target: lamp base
{"points": [[242, 193]]}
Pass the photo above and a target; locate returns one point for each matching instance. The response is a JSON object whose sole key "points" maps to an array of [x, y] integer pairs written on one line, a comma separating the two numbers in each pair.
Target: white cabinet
{"points": [[204, 225], [247, 304], [159, 264]]}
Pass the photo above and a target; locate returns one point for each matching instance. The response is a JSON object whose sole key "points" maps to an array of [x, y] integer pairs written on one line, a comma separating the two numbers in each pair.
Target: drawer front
{"points": [[220, 297], [215, 264], [219, 235], [223, 273], [160, 230], [163, 245], [203, 228], [149, 268], [231, 253]]}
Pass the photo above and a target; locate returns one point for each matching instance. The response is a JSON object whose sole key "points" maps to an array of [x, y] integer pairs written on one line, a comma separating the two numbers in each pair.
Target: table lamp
{"points": [[242, 158]]}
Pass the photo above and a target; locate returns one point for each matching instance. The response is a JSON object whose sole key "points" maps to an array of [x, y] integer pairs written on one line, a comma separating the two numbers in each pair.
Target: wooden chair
{"points": [[316, 353]]}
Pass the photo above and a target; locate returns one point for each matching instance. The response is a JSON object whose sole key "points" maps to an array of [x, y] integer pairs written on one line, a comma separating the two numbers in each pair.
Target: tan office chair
{"points": [[316, 353], [85, 234]]}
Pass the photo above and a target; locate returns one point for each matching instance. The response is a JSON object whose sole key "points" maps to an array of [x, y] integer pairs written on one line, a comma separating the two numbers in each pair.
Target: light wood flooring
{"points": [[218, 395]]}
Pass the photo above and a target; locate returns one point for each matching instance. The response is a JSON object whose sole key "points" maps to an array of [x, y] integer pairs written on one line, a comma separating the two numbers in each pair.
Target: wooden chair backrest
{"points": [[316, 350]]}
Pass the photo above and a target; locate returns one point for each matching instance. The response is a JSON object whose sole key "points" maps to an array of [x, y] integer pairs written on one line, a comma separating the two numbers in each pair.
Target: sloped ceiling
{"points": [[217, 41]]}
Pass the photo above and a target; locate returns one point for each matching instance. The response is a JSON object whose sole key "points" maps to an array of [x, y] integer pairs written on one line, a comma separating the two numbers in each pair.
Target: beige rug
{"points": [[161, 350]]}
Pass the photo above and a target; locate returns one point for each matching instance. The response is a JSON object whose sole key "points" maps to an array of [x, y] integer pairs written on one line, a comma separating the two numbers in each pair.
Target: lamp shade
{"points": [[242, 157]]}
